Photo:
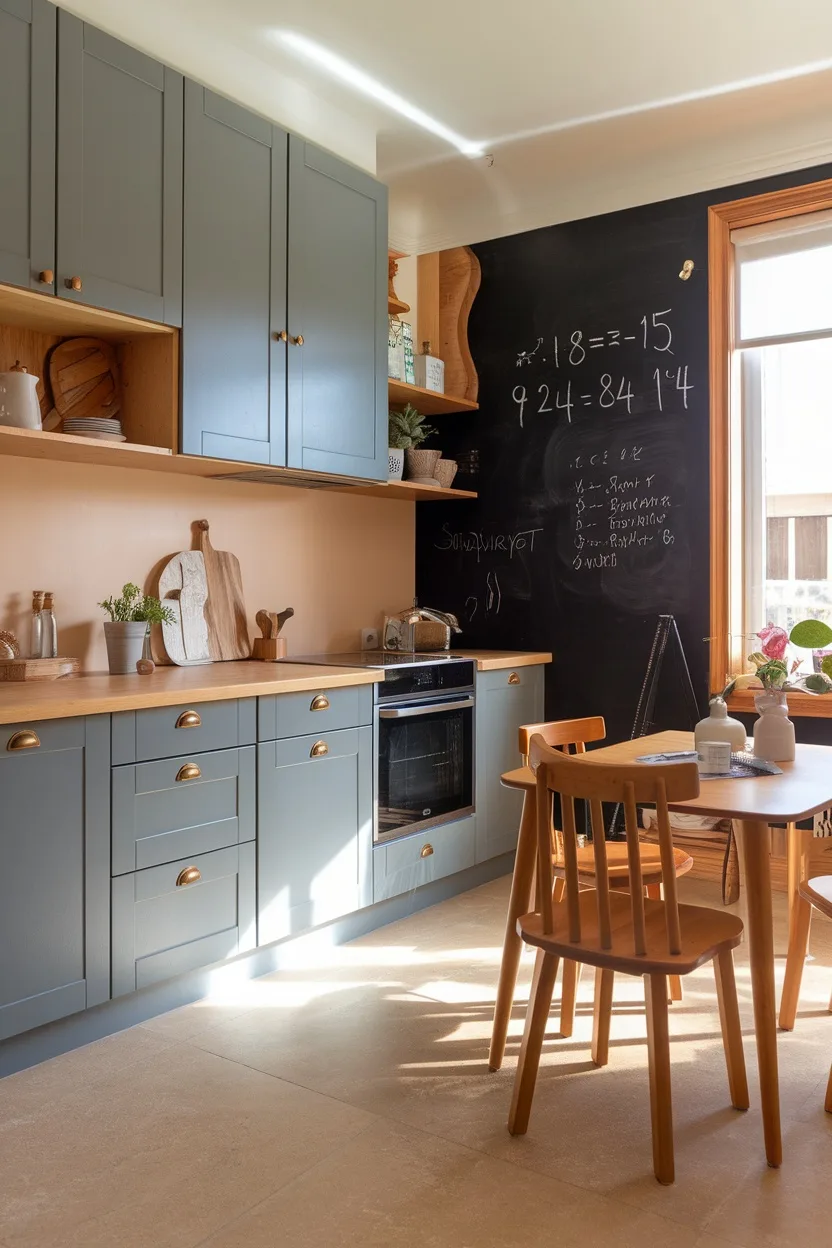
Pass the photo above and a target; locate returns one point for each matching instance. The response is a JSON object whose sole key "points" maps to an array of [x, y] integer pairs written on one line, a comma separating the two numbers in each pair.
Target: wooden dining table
{"points": [[803, 789]]}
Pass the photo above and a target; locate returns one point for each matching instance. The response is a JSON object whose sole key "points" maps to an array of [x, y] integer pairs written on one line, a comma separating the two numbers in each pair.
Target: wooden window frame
{"points": [[722, 219]]}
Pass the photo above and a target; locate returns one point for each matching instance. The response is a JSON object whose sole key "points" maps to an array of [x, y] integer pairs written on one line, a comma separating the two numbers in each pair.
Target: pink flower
{"points": [[774, 641]]}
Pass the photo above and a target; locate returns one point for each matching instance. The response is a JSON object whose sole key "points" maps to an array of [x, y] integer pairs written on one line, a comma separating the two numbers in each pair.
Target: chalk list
{"points": [[607, 407]]}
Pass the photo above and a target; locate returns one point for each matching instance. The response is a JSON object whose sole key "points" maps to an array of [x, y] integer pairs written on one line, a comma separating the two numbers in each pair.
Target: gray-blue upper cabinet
{"points": [[234, 319], [337, 356], [27, 143], [54, 885], [119, 228]]}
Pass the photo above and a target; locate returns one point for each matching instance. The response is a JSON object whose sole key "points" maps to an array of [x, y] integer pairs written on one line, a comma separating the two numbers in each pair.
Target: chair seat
{"points": [[619, 866], [819, 892], [705, 933]]}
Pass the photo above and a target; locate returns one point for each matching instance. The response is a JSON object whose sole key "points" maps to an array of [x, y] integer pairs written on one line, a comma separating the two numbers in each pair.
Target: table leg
{"points": [[756, 847], [522, 884]]}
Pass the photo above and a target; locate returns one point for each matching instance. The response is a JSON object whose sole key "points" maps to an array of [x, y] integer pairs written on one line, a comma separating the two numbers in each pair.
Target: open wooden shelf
{"points": [[411, 492], [801, 705], [429, 402]]}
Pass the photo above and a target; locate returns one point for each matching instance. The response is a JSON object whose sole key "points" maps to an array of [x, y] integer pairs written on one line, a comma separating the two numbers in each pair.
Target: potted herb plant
{"points": [[406, 433], [130, 618]]}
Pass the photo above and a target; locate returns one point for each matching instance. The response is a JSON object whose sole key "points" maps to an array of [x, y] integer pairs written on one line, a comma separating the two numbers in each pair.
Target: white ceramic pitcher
{"points": [[19, 406]]}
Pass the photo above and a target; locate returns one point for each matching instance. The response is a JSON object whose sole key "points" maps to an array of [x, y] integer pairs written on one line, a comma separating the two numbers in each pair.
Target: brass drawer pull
{"points": [[319, 703], [189, 719], [188, 771], [46, 277], [427, 850], [280, 335], [319, 749], [298, 340], [25, 740], [188, 875], [73, 283], [514, 679]]}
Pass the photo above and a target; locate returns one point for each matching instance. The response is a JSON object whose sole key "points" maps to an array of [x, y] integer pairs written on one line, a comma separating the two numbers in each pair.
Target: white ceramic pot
{"points": [[125, 645], [773, 731], [19, 406], [395, 463]]}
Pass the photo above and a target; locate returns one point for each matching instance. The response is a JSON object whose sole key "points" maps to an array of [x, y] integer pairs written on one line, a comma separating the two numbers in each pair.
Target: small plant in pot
{"points": [[130, 618], [406, 433]]}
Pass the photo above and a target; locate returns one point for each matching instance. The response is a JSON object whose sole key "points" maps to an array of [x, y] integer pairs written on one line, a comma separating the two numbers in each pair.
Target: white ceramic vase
{"points": [[773, 731], [125, 645], [395, 463]]}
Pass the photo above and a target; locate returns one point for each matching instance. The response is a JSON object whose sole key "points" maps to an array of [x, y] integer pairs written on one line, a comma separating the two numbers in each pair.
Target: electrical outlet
{"points": [[370, 639]]}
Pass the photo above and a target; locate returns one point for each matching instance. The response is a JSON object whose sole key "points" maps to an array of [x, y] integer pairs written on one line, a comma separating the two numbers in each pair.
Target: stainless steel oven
{"points": [[425, 734]]}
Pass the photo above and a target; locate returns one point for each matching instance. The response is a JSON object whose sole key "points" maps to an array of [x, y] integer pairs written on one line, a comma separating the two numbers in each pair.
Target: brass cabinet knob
{"points": [[188, 875], [319, 749], [189, 719], [188, 771], [46, 276], [427, 850], [25, 740], [280, 335], [73, 283], [319, 703], [298, 341], [514, 679]]}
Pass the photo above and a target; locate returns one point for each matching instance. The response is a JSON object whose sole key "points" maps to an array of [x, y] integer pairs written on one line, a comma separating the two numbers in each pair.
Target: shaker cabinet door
{"points": [[234, 321], [27, 143], [54, 885], [337, 417], [119, 176], [505, 701]]}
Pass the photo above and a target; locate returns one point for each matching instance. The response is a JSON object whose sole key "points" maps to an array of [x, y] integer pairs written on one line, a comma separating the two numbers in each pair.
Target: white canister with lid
{"points": [[19, 406], [719, 726]]}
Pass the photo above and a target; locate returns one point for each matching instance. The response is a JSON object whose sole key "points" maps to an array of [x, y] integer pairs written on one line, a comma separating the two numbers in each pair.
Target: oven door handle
{"points": [[409, 712]]}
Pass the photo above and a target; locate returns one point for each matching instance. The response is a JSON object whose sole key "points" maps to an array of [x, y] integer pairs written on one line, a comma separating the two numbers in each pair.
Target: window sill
{"points": [[801, 705]]}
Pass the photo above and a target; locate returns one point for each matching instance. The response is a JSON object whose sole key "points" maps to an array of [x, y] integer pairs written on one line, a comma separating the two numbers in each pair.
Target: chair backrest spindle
{"points": [[602, 879], [671, 896], [634, 862]]}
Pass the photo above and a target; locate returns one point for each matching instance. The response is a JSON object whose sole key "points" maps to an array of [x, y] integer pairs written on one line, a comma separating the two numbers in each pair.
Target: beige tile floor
{"points": [[346, 1101]]}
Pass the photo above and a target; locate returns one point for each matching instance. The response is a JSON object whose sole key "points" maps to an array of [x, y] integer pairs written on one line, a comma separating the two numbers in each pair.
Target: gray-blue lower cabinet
{"points": [[315, 808], [406, 864], [181, 916], [505, 701], [55, 850], [178, 806]]}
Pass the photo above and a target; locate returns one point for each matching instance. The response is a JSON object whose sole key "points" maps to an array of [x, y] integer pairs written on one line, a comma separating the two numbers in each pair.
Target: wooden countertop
{"points": [[99, 693], [498, 660]]}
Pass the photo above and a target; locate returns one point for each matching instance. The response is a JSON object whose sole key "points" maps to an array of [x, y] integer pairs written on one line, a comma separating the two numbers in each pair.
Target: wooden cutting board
{"points": [[84, 376], [183, 587], [226, 609]]}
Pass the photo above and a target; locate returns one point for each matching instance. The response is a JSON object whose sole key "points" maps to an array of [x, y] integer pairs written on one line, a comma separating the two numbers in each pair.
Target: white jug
{"points": [[19, 406]]}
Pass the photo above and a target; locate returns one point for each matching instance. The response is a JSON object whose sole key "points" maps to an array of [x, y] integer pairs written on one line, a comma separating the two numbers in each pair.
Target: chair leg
{"points": [[729, 1018], [827, 1105], [658, 1053], [537, 1014], [798, 947], [570, 978], [654, 891], [601, 1015]]}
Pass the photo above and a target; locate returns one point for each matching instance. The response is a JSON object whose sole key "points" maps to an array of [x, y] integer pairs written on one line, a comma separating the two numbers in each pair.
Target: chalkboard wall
{"points": [[590, 455]]}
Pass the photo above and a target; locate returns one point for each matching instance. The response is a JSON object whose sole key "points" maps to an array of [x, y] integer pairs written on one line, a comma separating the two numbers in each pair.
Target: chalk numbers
{"points": [[677, 380], [577, 355]]}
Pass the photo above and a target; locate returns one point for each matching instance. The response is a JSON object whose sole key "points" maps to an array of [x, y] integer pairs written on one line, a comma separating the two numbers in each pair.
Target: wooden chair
{"points": [[622, 932], [571, 736], [817, 893]]}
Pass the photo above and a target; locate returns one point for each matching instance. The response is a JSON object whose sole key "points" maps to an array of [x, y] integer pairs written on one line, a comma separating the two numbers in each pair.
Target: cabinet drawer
{"points": [[404, 865], [187, 805], [321, 710], [31, 737], [165, 731], [164, 925]]}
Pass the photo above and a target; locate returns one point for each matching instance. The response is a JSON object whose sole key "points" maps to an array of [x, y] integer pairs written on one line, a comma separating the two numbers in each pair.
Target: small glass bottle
{"points": [[49, 637], [36, 629]]}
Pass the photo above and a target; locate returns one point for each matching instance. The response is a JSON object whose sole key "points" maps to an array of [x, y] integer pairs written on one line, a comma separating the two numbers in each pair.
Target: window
{"points": [[771, 420]]}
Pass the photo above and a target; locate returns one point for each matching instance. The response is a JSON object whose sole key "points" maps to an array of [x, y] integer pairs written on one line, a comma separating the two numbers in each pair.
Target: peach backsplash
{"points": [[82, 531]]}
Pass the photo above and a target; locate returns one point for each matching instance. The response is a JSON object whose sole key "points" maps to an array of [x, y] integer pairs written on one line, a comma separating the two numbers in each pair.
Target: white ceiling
{"points": [[584, 107]]}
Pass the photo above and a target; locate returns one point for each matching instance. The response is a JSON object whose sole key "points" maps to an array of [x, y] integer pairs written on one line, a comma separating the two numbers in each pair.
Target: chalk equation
{"points": [[654, 334]]}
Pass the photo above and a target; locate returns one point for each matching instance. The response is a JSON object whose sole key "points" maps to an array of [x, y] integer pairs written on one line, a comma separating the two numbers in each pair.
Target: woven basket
{"points": [[421, 463]]}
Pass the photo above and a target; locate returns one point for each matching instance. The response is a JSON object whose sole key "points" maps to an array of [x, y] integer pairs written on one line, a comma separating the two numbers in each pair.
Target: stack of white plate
{"points": [[94, 427]]}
